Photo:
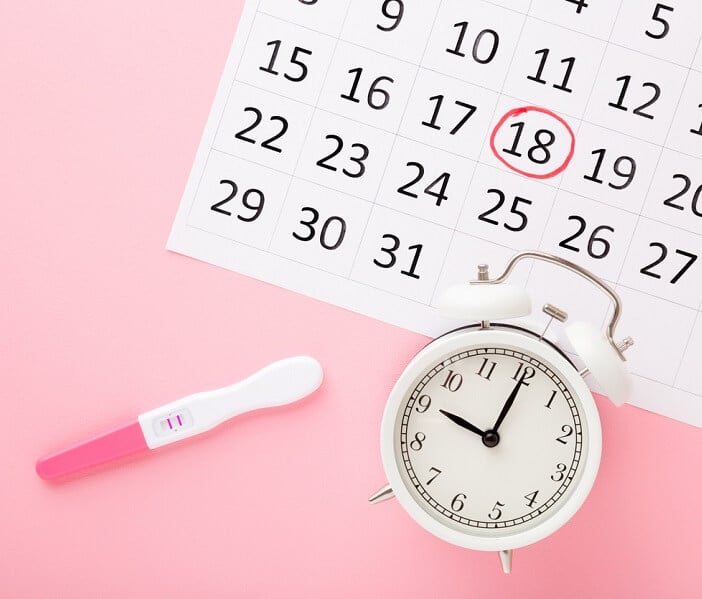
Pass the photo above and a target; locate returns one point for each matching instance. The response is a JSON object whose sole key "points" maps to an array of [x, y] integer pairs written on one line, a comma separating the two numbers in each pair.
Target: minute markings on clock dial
{"points": [[441, 433]]}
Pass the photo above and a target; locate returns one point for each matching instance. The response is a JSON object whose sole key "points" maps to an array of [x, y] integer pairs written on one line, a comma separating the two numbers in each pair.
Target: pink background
{"points": [[101, 110]]}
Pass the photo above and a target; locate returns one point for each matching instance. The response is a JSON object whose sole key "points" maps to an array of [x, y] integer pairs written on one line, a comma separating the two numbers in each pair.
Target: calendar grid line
{"points": [[198, 186], [663, 383], [558, 188], [662, 147], [308, 265], [243, 53], [393, 132], [316, 31], [677, 107], [476, 161], [687, 345], [488, 89], [502, 93], [615, 20], [299, 157], [229, 92], [346, 41], [648, 294], [699, 307], [416, 301], [607, 40], [534, 17], [648, 191], [560, 180], [432, 222], [579, 128], [492, 118], [394, 142], [509, 8], [413, 300]]}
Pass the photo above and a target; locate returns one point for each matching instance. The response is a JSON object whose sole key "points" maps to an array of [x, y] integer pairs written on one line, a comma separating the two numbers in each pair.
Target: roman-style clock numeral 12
{"points": [[524, 372]]}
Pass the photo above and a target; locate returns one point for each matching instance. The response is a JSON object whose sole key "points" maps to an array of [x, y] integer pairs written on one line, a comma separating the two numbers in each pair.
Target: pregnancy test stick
{"points": [[279, 383]]}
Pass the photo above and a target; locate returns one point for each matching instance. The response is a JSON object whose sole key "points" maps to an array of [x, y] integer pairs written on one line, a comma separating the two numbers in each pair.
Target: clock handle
{"points": [[483, 279]]}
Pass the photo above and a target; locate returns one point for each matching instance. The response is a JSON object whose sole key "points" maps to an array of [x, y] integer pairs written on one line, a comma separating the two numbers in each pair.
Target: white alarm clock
{"points": [[491, 439]]}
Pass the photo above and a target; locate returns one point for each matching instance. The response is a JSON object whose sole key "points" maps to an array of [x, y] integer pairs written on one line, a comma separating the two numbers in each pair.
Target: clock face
{"points": [[493, 440]]}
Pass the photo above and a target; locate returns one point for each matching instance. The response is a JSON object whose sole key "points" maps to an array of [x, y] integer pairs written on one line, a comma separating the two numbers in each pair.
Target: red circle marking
{"points": [[523, 110]]}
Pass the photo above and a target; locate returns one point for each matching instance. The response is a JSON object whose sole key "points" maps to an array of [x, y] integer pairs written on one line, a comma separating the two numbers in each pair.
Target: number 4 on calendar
{"points": [[579, 4]]}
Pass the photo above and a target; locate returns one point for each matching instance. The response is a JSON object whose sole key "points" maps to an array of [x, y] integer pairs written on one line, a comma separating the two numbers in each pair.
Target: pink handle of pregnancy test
{"points": [[118, 443]]}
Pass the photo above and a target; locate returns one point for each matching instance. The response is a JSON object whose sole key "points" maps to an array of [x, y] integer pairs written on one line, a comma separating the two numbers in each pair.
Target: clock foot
{"points": [[506, 560], [382, 495]]}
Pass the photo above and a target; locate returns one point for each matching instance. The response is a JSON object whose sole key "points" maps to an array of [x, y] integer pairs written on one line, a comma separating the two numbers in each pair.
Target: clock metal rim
{"points": [[462, 340]]}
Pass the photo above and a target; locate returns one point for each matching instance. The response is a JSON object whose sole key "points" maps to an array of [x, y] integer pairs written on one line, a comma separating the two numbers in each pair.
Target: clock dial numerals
{"points": [[513, 477], [459, 502], [531, 498], [423, 404], [496, 512], [550, 399], [560, 473], [567, 432], [434, 473], [524, 373], [418, 442], [453, 381], [486, 369]]}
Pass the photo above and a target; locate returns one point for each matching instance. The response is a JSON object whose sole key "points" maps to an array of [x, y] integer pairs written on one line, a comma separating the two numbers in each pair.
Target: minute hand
{"points": [[508, 404]]}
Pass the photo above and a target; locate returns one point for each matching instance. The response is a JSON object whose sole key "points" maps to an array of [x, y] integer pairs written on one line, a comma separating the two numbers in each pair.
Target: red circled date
{"points": [[527, 161]]}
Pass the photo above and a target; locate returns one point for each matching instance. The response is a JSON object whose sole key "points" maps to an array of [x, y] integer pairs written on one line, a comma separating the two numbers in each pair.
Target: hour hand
{"points": [[463, 423]]}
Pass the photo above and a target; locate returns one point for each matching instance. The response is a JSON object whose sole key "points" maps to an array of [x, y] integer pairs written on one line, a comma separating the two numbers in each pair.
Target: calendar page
{"points": [[370, 153]]}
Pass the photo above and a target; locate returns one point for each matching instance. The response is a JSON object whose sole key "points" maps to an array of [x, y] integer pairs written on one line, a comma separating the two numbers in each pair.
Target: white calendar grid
{"points": [[355, 221]]}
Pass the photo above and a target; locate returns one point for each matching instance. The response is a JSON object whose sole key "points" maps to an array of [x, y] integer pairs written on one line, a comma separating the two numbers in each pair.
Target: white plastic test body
{"points": [[275, 385]]}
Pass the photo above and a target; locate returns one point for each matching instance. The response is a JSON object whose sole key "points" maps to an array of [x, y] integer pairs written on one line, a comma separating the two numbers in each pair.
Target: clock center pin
{"points": [[491, 439]]}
